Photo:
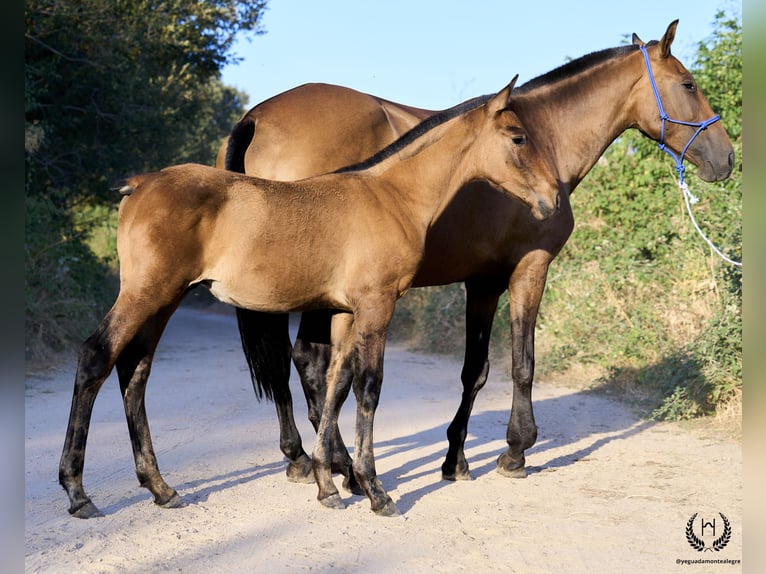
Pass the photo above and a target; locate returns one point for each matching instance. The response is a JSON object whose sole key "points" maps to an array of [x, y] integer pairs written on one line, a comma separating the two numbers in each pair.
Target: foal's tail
{"points": [[265, 336]]}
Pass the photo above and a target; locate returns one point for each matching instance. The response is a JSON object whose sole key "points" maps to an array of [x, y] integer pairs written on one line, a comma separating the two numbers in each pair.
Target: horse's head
{"points": [[686, 110], [509, 159]]}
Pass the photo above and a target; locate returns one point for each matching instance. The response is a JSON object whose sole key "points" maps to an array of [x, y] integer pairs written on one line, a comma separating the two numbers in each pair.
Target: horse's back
{"points": [[306, 131]]}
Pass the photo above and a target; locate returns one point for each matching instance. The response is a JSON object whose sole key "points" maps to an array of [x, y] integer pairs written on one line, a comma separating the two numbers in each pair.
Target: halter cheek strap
{"points": [[679, 159]]}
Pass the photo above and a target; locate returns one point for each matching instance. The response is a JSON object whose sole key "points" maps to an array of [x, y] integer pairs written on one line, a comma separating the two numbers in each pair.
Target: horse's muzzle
{"points": [[545, 210]]}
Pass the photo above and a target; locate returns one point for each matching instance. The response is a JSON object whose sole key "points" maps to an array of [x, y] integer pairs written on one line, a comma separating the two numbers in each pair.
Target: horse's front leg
{"points": [[481, 304], [525, 292], [133, 368]]}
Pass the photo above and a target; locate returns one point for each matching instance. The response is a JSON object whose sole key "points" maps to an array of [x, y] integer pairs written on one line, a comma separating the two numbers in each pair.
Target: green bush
{"points": [[68, 288]]}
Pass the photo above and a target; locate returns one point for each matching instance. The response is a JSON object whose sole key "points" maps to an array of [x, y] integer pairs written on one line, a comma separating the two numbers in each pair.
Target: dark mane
{"points": [[575, 67], [416, 132]]}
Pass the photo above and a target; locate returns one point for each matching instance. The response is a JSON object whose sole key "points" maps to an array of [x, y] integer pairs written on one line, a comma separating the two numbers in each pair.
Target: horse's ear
{"points": [[637, 41], [667, 39], [500, 100]]}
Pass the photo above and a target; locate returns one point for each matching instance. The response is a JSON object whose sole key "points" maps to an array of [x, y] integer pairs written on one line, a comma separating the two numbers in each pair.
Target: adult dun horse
{"points": [[351, 242], [487, 240]]}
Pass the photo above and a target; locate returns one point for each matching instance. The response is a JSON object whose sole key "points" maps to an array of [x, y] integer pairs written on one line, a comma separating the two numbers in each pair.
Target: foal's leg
{"points": [[339, 377], [481, 304], [311, 356], [133, 367], [95, 361], [368, 378], [525, 291]]}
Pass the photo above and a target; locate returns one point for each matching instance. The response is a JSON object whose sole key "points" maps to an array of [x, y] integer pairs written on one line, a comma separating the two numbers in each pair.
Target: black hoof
{"points": [[456, 474], [388, 509], [333, 501], [509, 468], [300, 473], [175, 501], [87, 510]]}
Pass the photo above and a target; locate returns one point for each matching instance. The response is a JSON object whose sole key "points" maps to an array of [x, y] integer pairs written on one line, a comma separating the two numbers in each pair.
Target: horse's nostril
{"points": [[558, 201], [731, 159]]}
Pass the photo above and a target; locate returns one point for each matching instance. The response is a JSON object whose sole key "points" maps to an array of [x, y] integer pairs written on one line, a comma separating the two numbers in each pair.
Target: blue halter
{"points": [[665, 118]]}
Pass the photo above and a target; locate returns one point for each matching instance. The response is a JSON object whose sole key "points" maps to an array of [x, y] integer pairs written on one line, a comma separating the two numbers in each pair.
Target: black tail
{"points": [[268, 351], [239, 139]]}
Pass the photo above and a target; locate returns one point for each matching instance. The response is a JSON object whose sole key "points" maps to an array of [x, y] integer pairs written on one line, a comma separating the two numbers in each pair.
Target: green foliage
{"points": [[653, 306], [68, 288], [111, 89]]}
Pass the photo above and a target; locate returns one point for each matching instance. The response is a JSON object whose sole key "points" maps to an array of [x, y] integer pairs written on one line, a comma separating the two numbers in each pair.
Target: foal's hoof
{"points": [[333, 501], [301, 473], [388, 509], [509, 468], [174, 501], [87, 510]]}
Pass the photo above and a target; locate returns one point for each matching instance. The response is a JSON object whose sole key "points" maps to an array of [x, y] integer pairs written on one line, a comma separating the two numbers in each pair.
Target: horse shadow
{"points": [[556, 432], [563, 422], [197, 491]]}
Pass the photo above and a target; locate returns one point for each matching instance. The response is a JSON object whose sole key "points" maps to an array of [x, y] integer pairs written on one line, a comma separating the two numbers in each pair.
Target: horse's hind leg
{"points": [[481, 304], [133, 368], [266, 344], [95, 361]]}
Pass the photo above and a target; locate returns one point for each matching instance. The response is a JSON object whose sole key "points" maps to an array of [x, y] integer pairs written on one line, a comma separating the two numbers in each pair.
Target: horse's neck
{"points": [[577, 118]]}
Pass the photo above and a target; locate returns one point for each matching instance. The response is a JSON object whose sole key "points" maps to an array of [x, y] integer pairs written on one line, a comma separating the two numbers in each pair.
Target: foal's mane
{"points": [[575, 67], [416, 132]]}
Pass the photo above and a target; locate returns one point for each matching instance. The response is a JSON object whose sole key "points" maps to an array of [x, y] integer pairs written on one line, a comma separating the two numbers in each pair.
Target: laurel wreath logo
{"points": [[699, 545]]}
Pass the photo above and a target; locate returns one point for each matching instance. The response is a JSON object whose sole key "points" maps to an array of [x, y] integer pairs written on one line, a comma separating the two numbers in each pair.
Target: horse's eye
{"points": [[519, 139], [690, 87]]}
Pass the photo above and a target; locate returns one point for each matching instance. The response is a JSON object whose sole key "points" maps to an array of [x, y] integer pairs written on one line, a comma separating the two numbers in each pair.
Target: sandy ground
{"points": [[606, 492]]}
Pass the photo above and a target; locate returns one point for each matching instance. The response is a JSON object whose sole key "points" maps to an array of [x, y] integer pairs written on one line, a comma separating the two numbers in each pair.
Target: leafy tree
{"points": [[112, 88]]}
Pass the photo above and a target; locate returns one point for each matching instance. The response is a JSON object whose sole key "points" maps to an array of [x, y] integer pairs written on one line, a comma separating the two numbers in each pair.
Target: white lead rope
{"points": [[690, 199]]}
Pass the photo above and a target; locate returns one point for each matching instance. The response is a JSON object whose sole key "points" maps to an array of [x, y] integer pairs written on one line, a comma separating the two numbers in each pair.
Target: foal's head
{"points": [[711, 151], [507, 157]]}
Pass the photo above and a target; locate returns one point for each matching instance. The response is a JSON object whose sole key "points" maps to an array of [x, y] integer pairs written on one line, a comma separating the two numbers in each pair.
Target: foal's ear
{"points": [[500, 100], [637, 41], [667, 39]]}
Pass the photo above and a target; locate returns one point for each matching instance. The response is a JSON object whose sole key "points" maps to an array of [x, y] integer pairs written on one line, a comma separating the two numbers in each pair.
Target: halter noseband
{"points": [[665, 118]]}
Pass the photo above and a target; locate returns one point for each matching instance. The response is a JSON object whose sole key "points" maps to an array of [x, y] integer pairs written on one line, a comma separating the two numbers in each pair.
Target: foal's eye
{"points": [[519, 139]]}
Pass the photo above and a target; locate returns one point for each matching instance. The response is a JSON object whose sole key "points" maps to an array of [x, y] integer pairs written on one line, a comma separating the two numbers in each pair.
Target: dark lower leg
{"points": [[480, 311], [522, 430]]}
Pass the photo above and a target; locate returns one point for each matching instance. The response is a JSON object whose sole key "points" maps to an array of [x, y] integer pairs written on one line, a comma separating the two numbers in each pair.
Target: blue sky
{"points": [[434, 54]]}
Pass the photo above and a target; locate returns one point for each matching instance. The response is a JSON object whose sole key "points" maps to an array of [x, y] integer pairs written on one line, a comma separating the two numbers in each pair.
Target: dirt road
{"points": [[606, 492]]}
